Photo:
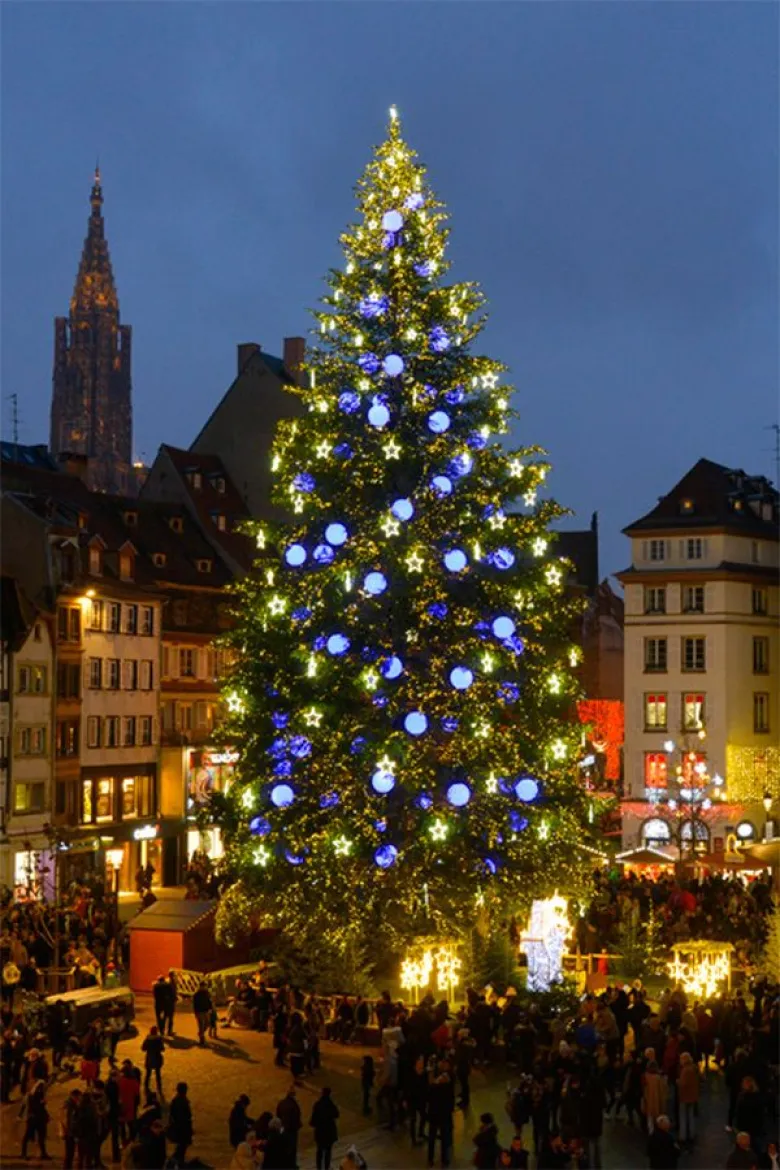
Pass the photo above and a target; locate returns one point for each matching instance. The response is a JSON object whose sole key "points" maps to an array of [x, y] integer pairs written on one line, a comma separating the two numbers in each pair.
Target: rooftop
{"points": [[713, 496]]}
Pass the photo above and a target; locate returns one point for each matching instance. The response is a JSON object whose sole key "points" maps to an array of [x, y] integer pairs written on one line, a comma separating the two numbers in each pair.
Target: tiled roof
{"points": [[274, 365], [713, 496], [208, 502], [37, 456], [15, 613]]}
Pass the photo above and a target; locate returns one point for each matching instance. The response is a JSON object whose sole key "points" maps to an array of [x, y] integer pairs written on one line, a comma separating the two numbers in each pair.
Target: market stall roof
{"points": [[644, 855], [764, 853], [166, 915], [723, 860]]}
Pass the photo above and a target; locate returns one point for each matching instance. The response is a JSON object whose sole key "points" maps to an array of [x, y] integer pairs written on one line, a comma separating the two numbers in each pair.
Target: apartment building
{"points": [[701, 656]]}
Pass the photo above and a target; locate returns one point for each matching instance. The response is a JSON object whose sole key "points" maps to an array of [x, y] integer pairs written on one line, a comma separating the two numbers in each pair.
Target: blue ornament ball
{"points": [[438, 422], [526, 788], [385, 856], [282, 795], [375, 583], [330, 800], [260, 826], [455, 560], [416, 723], [349, 402], [369, 363], [455, 396], [392, 221], [502, 558], [295, 555], [391, 668], [393, 365], [462, 464], [414, 201], [378, 414], [442, 486], [439, 339], [338, 644], [304, 482], [461, 678], [323, 554], [503, 627], [402, 509], [458, 794], [383, 781], [336, 534]]}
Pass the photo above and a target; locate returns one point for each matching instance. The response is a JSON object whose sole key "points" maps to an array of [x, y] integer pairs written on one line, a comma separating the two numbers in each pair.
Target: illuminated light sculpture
{"points": [[701, 968], [419, 967], [544, 942]]}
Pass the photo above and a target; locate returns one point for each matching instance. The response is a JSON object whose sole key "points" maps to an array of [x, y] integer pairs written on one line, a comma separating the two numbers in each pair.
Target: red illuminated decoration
{"points": [[606, 722]]}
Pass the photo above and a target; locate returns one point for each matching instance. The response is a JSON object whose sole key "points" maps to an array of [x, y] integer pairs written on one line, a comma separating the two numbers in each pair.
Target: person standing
{"points": [[323, 1121], [36, 1120], [486, 1142], [129, 1089], [152, 1048], [112, 1097], [441, 1105], [288, 1111], [239, 1124], [687, 1098], [662, 1149], [160, 997], [173, 995], [202, 1007], [296, 1047], [69, 1125], [367, 1078], [180, 1129]]}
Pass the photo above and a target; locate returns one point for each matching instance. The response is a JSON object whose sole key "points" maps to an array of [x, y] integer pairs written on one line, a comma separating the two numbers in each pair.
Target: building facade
{"points": [[91, 410], [702, 688]]}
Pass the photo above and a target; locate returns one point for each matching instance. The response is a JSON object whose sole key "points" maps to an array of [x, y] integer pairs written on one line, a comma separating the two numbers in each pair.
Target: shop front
{"points": [[208, 770]]}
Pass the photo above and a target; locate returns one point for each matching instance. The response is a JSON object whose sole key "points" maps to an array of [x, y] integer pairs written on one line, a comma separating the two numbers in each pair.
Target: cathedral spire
{"points": [[95, 290]]}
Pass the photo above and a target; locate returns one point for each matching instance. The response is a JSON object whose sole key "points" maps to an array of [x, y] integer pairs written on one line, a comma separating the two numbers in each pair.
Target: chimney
{"points": [[245, 351], [293, 356]]}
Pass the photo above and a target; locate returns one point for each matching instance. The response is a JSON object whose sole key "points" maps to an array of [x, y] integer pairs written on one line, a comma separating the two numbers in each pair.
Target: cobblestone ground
{"points": [[242, 1062]]}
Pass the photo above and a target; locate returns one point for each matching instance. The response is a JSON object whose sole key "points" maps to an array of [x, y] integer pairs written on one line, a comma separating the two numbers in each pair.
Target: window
{"points": [[40, 680], [104, 805], [126, 566], [220, 520], [158, 559], [184, 716], [130, 673], [186, 664], [95, 673], [657, 549], [168, 715], [694, 769], [694, 548], [204, 716], [686, 506], [68, 737], [180, 613], [131, 619], [219, 484], [755, 552], [23, 680], [147, 675], [655, 769], [24, 740], [128, 731], [111, 731], [38, 741], [28, 797], [655, 599], [74, 619], [655, 654], [96, 615], [145, 730], [147, 619], [746, 831], [93, 731], [196, 480], [136, 796], [655, 712], [693, 599], [761, 656], [656, 832], [759, 601], [203, 565], [112, 674], [177, 524], [95, 562], [696, 830], [760, 711], [694, 654], [692, 712], [63, 626], [113, 617], [68, 680], [131, 519]]}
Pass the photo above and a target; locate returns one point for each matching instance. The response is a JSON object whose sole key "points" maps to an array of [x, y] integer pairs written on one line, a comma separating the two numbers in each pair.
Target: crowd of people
{"points": [[720, 908]]}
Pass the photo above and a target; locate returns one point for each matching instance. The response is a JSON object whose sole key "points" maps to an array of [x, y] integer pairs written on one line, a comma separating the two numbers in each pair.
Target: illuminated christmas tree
{"points": [[404, 696]]}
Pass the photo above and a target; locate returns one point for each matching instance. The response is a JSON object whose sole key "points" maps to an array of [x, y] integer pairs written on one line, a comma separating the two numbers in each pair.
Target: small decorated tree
{"points": [[404, 688]]}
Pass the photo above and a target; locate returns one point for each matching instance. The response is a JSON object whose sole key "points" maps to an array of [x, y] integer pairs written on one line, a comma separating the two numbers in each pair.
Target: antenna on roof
{"points": [[776, 449], [14, 400]]}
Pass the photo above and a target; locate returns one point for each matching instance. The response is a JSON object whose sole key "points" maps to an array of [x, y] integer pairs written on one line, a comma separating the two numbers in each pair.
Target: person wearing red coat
{"points": [[129, 1090]]}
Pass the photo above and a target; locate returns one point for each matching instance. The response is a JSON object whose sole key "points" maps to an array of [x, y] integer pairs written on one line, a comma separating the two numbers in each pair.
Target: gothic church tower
{"points": [[91, 409]]}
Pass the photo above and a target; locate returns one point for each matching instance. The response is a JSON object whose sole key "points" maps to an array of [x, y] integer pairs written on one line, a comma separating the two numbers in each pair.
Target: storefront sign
{"points": [[214, 759], [146, 832]]}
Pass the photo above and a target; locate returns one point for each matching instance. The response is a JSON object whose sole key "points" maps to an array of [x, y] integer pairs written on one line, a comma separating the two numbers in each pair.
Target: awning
{"points": [[644, 855]]}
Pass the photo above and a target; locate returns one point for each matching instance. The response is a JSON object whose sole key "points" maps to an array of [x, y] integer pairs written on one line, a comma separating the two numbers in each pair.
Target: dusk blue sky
{"points": [[610, 170]]}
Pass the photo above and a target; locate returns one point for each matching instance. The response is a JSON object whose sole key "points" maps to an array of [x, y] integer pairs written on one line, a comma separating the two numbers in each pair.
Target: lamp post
{"points": [[115, 857]]}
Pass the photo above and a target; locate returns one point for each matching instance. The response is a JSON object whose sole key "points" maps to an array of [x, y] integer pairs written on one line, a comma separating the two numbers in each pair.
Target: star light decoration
{"points": [[414, 562], [277, 604], [323, 449], [529, 499], [539, 546], [438, 830], [491, 784], [553, 576], [390, 526], [392, 449], [342, 845], [312, 717], [559, 749], [261, 856], [515, 467], [235, 704]]}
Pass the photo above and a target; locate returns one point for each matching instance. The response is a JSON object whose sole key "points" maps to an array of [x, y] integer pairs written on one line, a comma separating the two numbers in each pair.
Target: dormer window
{"points": [[220, 520], [686, 506], [158, 559], [196, 480], [177, 524], [82, 520], [131, 519], [219, 484], [95, 561], [126, 566], [203, 565]]}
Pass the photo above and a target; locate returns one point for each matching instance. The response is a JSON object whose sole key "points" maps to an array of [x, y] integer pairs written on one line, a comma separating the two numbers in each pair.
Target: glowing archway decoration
{"points": [[544, 942], [417, 970]]}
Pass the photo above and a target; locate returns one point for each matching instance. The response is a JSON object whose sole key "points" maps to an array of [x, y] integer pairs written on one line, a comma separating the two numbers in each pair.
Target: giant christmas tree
{"points": [[404, 687]]}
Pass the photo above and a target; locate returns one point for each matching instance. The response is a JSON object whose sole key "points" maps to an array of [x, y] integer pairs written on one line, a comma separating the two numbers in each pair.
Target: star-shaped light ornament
{"points": [[323, 450], [554, 684], [342, 846], [515, 467], [392, 449], [438, 830], [371, 679], [490, 381], [487, 662], [390, 526], [539, 546], [497, 520], [261, 856], [491, 784], [482, 729], [414, 563], [543, 830], [559, 749], [554, 576], [277, 604], [312, 717], [298, 503], [235, 703], [529, 499]]}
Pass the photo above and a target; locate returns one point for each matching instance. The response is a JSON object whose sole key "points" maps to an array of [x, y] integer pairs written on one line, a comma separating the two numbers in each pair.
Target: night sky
{"points": [[611, 172]]}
